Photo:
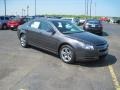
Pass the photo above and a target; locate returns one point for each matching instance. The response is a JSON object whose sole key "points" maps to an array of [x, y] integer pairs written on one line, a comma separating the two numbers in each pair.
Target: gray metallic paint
{"points": [[52, 42]]}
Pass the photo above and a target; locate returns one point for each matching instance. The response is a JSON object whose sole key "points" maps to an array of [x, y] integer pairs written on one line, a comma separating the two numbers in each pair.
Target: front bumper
{"points": [[96, 30], [92, 55], [12, 26]]}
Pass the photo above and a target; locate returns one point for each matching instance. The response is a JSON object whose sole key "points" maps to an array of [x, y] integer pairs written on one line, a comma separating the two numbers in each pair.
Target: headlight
{"points": [[86, 46]]}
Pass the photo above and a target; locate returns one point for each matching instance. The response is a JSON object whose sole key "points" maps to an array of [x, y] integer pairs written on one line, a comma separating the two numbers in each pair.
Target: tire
{"points": [[67, 54], [23, 41], [101, 34], [4, 27]]}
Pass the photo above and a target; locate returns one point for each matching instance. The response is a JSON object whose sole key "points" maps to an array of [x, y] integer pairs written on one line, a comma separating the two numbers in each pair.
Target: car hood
{"points": [[88, 38]]}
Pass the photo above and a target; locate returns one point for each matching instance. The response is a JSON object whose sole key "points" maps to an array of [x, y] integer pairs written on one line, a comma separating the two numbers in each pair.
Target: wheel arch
{"points": [[65, 43]]}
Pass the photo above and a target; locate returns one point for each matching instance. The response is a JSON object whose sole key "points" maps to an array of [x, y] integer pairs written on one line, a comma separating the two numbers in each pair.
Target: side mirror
{"points": [[51, 31]]}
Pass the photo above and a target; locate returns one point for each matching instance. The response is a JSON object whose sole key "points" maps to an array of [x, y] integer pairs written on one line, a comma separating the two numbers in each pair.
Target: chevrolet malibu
{"points": [[63, 38]]}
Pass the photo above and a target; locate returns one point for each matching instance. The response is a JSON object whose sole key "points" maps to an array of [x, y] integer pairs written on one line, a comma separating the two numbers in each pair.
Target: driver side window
{"points": [[44, 26]]}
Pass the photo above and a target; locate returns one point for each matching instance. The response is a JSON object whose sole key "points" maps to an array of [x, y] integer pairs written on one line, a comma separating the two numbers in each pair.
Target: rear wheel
{"points": [[67, 54], [23, 41], [4, 27]]}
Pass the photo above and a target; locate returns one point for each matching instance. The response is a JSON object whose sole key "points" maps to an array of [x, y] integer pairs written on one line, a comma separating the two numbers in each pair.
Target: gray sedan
{"points": [[63, 38]]}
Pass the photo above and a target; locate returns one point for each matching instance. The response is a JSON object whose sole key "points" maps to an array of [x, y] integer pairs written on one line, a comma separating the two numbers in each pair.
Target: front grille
{"points": [[102, 48]]}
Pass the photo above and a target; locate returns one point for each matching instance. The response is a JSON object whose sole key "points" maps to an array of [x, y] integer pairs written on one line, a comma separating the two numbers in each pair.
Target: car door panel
{"points": [[49, 41]]}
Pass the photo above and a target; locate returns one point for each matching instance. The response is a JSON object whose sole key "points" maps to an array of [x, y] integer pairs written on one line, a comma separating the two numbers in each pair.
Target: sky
{"points": [[66, 7]]}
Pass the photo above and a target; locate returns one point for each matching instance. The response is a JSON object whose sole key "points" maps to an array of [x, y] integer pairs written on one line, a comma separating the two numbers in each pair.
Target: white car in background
{"points": [[81, 21]]}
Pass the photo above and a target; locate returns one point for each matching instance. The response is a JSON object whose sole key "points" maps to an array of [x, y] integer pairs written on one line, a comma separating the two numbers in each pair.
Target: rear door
{"points": [[33, 33]]}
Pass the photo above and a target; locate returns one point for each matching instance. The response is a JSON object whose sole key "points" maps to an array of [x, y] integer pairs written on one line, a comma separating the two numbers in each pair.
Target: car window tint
{"points": [[45, 26], [2, 18], [6, 18], [35, 25], [66, 27]]}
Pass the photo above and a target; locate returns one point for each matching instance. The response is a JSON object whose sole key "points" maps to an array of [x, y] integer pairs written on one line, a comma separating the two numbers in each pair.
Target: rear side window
{"points": [[35, 24], [4, 18]]}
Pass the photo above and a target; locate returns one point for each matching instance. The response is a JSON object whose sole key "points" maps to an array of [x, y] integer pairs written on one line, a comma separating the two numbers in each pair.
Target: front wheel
{"points": [[67, 54], [23, 41]]}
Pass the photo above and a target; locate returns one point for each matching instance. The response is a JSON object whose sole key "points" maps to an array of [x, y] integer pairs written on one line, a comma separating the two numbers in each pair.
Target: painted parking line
{"points": [[114, 77]]}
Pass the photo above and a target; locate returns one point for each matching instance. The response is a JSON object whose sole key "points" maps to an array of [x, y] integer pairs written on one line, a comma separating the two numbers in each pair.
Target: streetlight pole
{"points": [[35, 7], [27, 10], [5, 6], [87, 6], [22, 11], [90, 7], [95, 8]]}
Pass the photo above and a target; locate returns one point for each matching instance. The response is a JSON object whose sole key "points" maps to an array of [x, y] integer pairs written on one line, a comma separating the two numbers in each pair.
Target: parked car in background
{"points": [[38, 16], [15, 22], [118, 21], [63, 38], [81, 21], [105, 19], [72, 20], [115, 20], [27, 19], [3, 22], [93, 26]]}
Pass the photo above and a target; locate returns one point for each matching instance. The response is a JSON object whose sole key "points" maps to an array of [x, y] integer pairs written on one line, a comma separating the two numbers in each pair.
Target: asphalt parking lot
{"points": [[35, 69]]}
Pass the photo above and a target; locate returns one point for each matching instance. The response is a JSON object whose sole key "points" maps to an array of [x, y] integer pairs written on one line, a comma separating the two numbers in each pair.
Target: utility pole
{"points": [[27, 10], [35, 7], [90, 7], [5, 6]]}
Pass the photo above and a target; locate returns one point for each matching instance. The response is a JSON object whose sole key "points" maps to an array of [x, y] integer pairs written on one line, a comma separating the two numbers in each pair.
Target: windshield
{"points": [[15, 18], [93, 21], [67, 27]]}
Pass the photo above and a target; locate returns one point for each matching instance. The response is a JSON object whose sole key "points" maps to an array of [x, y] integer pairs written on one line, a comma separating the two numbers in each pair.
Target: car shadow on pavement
{"points": [[44, 51], [105, 34], [109, 60]]}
